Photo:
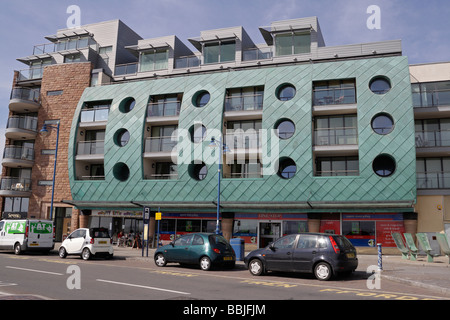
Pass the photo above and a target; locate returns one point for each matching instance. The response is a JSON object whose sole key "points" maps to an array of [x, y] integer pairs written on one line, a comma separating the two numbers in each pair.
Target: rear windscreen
{"points": [[343, 242], [99, 233], [217, 239]]}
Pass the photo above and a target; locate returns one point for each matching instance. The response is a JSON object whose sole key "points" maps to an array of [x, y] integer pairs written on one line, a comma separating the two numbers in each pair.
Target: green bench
{"points": [[444, 244], [425, 244], [398, 239], [412, 246]]}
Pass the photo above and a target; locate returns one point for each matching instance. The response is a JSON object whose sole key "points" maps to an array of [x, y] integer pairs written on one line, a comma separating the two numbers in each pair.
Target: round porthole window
{"points": [[121, 137], [197, 132], [201, 99], [285, 129], [198, 171], [380, 85], [121, 171], [287, 168], [383, 124], [286, 92], [384, 165], [127, 105]]}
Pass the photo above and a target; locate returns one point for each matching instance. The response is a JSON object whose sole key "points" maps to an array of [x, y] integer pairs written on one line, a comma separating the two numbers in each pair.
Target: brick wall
{"points": [[72, 79]]}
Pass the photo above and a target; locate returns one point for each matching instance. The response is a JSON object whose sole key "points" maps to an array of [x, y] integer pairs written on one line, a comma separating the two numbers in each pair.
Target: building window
{"points": [[287, 168], [198, 171], [94, 143], [285, 129], [384, 165], [16, 205], [244, 170], [383, 124], [433, 173], [201, 99], [292, 43], [165, 171], [164, 105], [249, 98], [335, 130], [380, 85], [197, 132], [122, 137], [163, 139], [127, 105], [432, 133], [220, 51], [95, 111], [72, 58], [154, 60], [121, 171], [54, 93], [72, 44], [337, 166], [334, 92], [285, 92]]}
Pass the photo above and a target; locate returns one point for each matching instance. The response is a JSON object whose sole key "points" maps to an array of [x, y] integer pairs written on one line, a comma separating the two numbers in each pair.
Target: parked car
{"points": [[204, 249], [27, 235], [87, 243], [324, 255]]}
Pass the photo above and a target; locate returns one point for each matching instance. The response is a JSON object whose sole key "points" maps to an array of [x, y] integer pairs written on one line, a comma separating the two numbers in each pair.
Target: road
{"points": [[49, 277]]}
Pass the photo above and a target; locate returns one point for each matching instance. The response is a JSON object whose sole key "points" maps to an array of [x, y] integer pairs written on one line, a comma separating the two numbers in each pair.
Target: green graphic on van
{"points": [[15, 227], [41, 227]]}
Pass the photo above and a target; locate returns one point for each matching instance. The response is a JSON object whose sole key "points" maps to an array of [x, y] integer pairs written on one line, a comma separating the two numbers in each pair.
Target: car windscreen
{"points": [[343, 242], [216, 239], [99, 233]]}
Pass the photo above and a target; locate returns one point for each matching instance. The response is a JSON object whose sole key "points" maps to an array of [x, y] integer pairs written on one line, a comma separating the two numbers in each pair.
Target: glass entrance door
{"points": [[268, 232]]}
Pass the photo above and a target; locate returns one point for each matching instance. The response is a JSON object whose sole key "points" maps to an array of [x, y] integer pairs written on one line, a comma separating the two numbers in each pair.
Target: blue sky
{"points": [[423, 26]]}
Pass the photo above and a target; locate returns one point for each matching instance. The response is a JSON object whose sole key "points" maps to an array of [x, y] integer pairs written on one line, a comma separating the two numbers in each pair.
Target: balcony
{"points": [[18, 157], [34, 73], [160, 147], [432, 143], [435, 98], [187, 62], [24, 100], [433, 180], [257, 54], [94, 118], [163, 112], [336, 141], [90, 150], [329, 100], [15, 187], [21, 127], [126, 69]]}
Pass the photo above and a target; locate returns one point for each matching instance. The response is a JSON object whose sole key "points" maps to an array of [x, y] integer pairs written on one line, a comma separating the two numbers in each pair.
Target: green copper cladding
{"points": [[304, 186]]}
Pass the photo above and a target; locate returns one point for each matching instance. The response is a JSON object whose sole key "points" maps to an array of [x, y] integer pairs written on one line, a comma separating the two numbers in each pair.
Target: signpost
{"points": [[158, 216], [146, 217]]}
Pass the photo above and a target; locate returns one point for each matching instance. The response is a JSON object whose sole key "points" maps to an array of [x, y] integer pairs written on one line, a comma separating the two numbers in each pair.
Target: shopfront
{"points": [[128, 222], [174, 225]]}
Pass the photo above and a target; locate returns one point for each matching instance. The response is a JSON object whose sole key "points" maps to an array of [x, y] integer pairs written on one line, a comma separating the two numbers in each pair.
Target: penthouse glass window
{"points": [[154, 60], [220, 51], [292, 43]]}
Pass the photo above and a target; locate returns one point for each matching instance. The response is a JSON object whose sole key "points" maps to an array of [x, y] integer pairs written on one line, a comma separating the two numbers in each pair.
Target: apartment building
{"points": [[298, 136]]}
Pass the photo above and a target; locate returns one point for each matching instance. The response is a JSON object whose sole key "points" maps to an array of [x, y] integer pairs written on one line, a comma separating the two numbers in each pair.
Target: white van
{"points": [[27, 235]]}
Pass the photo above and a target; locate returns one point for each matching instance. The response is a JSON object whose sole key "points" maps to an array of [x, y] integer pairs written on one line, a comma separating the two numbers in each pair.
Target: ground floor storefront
{"points": [[364, 230]]}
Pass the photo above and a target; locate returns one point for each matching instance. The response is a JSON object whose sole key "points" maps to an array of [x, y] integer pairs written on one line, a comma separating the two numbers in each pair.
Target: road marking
{"points": [[380, 295], [139, 286], [33, 270], [178, 274], [7, 284], [270, 283]]}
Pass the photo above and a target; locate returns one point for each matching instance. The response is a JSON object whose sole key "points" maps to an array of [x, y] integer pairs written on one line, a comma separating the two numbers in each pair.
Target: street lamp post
{"points": [[44, 133], [222, 148]]}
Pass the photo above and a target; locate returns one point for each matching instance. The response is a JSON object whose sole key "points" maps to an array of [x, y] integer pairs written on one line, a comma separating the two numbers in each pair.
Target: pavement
{"points": [[429, 275]]}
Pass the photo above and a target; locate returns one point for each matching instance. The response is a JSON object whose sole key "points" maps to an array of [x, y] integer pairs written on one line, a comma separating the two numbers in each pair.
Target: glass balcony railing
{"points": [[123, 69], [91, 147], [435, 98], [335, 136], [26, 94], [243, 140], [18, 153], [243, 175], [31, 74], [429, 139], [163, 109], [160, 144], [15, 184], [187, 62], [244, 102], [22, 122], [257, 54], [337, 173], [90, 178], [94, 115], [433, 180], [334, 96]]}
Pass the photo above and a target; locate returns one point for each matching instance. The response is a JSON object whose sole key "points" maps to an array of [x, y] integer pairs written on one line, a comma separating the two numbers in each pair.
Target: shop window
{"points": [[188, 225]]}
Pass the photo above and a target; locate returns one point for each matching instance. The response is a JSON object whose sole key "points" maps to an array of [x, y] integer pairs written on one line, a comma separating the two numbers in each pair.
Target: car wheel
{"points": [[17, 249], [160, 260], [256, 267], [323, 271], [62, 252], [205, 263], [86, 254]]}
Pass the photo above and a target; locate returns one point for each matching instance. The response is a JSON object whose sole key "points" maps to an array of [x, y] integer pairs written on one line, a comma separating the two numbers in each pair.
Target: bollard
{"points": [[380, 257]]}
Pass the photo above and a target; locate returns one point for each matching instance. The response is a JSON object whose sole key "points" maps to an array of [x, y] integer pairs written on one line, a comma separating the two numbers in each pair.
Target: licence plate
{"points": [[227, 258], [350, 255], [34, 244], [102, 242]]}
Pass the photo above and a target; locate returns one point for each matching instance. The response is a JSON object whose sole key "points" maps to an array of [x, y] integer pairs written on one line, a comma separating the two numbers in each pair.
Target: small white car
{"points": [[87, 243]]}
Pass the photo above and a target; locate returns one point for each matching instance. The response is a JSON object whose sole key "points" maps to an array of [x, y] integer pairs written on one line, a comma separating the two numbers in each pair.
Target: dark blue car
{"points": [[324, 255], [204, 249]]}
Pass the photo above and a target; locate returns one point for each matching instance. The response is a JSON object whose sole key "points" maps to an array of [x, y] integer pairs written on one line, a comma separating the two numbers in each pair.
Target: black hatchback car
{"points": [[324, 255]]}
